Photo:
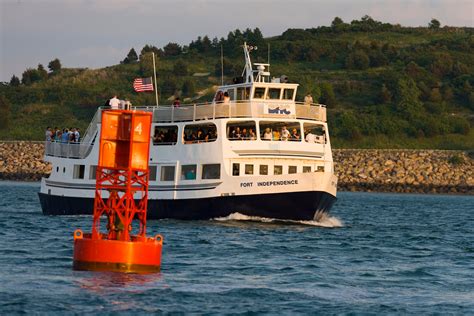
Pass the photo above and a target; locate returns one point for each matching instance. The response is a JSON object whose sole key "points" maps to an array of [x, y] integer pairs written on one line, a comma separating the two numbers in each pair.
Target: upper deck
{"points": [[236, 109]]}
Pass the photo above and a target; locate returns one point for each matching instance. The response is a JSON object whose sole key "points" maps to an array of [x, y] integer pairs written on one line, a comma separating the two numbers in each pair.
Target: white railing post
{"points": [[194, 112]]}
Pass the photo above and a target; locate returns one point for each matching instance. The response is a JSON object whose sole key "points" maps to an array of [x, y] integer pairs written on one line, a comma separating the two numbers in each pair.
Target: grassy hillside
{"points": [[385, 86]]}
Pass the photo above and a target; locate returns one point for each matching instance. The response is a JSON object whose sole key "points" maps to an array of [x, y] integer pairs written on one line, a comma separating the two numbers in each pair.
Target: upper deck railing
{"points": [[238, 109]]}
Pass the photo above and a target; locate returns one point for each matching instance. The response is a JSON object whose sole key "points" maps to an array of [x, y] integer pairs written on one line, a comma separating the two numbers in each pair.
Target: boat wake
{"points": [[323, 221]]}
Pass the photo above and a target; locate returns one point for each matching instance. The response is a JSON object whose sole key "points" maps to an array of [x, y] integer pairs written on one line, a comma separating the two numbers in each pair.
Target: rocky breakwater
{"points": [[23, 161], [414, 171]]}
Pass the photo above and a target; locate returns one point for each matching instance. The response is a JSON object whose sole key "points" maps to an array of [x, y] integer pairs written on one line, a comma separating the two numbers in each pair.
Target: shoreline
{"points": [[358, 170]]}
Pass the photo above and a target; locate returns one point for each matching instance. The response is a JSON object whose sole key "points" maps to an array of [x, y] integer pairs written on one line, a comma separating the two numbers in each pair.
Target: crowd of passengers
{"points": [[283, 134], [65, 135], [269, 134], [200, 136], [169, 137]]}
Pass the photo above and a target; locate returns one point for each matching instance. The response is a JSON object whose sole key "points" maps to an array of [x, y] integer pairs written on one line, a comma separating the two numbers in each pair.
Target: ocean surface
{"points": [[377, 254]]}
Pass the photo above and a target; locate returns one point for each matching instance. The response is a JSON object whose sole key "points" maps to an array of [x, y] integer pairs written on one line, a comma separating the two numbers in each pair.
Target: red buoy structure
{"points": [[121, 196]]}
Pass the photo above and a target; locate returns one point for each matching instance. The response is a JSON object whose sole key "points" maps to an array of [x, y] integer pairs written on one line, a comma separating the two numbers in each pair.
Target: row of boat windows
{"points": [[206, 171], [243, 93], [167, 173], [241, 130], [250, 169]]}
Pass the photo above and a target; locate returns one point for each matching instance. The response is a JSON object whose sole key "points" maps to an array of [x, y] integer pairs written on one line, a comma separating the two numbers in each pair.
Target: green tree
{"points": [[180, 68], [151, 49], [434, 24], [172, 49], [357, 60], [42, 72], [385, 95], [408, 96], [30, 76], [327, 94], [336, 22], [131, 58], [189, 88], [146, 64], [54, 66], [4, 112], [14, 81]]}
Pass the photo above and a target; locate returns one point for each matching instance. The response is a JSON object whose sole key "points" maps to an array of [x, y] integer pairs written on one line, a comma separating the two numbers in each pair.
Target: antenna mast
{"points": [[222, 66]]}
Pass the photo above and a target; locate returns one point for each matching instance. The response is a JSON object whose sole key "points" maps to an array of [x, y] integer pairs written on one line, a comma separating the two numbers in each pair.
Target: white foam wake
{"points": [[323, 221]]}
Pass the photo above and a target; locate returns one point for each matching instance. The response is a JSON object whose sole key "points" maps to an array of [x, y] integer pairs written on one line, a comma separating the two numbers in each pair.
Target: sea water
{"points": [[376, 254]]}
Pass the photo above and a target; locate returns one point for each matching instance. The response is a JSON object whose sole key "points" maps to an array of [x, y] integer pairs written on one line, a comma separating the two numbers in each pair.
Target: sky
{"points": [[98, 33]]}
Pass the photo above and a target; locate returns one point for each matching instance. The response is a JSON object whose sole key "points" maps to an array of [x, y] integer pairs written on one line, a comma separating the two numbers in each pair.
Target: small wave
{"points": [[324, 220]]}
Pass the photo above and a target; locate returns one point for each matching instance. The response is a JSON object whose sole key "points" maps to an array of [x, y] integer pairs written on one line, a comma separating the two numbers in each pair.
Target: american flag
{"points": [[143, 84]]}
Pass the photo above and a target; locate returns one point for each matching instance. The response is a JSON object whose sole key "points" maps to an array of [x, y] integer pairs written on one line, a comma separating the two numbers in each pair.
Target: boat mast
{"points": [[247, 73]]}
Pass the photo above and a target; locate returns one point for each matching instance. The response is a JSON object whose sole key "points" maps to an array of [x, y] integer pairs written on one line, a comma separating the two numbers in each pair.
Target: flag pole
{"points": [[222, 65], [154, 74]]}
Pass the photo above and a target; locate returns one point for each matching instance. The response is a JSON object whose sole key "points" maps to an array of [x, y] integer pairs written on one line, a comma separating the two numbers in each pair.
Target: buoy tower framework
{"points": [[121, 194]]}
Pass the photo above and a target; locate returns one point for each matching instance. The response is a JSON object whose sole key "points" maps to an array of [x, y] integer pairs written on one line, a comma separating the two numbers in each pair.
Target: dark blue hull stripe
{"points": [[291, 205]]}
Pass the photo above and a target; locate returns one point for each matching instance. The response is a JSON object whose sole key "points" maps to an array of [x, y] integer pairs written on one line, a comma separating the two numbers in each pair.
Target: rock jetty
{"points": [[413, 171]]}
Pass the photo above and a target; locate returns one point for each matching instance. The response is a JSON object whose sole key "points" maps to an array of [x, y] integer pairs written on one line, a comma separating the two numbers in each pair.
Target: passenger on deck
{"points": [[268, 134], [310, 137], [236, 134], [294, 135], [308, 99], [226, 98], [114, 103], [245, 134], [252, 135], [276, 135], [219, 97], [176, 102], [65, 136], [49, 134], [285, 134]]}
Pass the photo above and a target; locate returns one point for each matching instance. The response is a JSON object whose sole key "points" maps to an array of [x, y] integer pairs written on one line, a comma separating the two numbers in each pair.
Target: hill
{"points": [[386, 86]]}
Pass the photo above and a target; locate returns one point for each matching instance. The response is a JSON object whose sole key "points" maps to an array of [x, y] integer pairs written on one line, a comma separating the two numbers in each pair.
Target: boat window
{"points": [[248, 169], [188, 172], [292, 169], [152, 173], [241, 130], [92, 172], [277, 131], [199, 133], [243, 93], [278, 170], [319, 169], [167, 173], [306, 169], [78, 172], [165, 135], [57, 169], [263, 169], [235, 169], [64, 169], [314, 133], [211, 171], [288, 94], [273, 93], [259, 93]]}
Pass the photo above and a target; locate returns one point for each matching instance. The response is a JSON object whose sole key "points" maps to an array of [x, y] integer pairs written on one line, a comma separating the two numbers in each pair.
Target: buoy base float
{"points": [[140, 255], [121, 196]]}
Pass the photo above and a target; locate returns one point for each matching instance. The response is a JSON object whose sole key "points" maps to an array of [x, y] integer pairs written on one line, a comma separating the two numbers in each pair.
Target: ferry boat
{"points": [[254, 150]]}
